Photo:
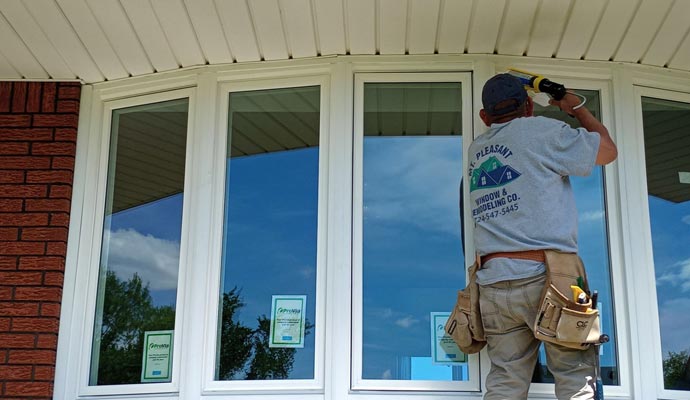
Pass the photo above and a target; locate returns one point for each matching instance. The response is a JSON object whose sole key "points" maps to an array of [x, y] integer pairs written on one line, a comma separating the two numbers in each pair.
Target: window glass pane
{"points": [[141, 241], [593, 247], [412, 254], [667, 157], [269, 245]]}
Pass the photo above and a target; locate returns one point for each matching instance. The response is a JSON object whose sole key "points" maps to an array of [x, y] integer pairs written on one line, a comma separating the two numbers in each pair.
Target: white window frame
{"points": [[285, 386], [358, 383], [95, 159], [651, 332]]}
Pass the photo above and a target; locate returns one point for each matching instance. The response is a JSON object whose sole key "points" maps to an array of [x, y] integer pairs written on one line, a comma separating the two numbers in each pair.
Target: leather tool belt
{"points": [[563, 317]]}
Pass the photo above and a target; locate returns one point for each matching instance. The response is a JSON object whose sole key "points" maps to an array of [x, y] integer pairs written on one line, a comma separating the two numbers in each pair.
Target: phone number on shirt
{"points": [[490, 215]]}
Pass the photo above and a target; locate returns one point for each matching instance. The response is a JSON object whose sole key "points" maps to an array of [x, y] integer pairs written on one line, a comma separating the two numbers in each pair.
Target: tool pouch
{"points": [[465, 322], [559, 319]]}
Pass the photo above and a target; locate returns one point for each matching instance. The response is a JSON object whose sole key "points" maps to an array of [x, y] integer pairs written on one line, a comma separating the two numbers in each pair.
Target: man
{"points": [[522, 202]]}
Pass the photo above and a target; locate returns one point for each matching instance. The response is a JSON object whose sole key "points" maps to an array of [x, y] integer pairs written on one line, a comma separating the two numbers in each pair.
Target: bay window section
{"points": [[666, 126], [593, 243], [411, 255], [140, 250], [267, 305]]}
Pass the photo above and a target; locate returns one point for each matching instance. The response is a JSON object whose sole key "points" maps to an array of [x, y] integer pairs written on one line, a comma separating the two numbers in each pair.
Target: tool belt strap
{"points": [[534, 255]]}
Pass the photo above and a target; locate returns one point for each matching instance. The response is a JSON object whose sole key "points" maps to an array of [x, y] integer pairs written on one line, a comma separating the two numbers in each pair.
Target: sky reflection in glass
{"points": [[270, 227], [667, 154], [412, 255]]}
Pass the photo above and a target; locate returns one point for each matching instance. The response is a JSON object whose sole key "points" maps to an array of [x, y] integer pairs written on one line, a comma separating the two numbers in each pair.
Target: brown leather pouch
{"points": [[560, 319], [465, 322]]}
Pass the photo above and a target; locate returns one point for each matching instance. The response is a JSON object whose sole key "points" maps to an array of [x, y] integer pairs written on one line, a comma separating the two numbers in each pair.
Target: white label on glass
{"points": [[443, 348], [684, 177], [157, 359], [287, 321]]}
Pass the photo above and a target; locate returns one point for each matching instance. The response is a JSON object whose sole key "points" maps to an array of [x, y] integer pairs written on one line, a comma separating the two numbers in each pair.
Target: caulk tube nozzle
{"points": [[556, 90]]}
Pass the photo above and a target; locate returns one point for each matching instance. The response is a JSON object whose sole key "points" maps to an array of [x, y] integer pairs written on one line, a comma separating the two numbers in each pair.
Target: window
{"points": [[140, 253], [267, 316], [667, 158], [593, 243], [410, 248]]}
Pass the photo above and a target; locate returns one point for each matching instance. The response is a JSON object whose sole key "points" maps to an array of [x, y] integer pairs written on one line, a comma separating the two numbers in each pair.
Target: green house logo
{"points": [[492, 173]]}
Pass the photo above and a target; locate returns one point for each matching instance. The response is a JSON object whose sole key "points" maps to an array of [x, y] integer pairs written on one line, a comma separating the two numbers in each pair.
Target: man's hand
{"points": [[607, 149], [567, 103]]}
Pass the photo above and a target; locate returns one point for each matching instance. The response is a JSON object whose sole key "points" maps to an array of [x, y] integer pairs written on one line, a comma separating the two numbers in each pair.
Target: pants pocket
{"points": [[491, 317]]}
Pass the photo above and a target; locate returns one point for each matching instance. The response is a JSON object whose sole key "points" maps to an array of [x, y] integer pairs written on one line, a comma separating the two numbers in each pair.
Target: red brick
{"points": [[5, 294], [56, 249], [22, 248], [4, 326], [44, 373], [60, 191], [14, 148], [19, 97], [15, 120], [63, 163], [50, 310], [47, 341], [42, 263], [47, 205], [36, 357], [15, 309], [21, 278], [12, 176], [37, 293], [66, 134], [49, 92], [49, 177], [11, 205], [32, 134], [44, 234], [18, 340], [69, 120], [69, 92], [5, 90], [24, 162], [15, 372], [23, 190], [61, 219], [28, 389], [23, 219], [9, 233], [22, 324], [8, 263], [33, 100], [54, 149], [68, 106], [53, 279]]}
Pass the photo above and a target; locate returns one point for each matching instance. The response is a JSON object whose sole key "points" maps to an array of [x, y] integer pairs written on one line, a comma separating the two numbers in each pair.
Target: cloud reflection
{"points": [[414, 180], [155, 260], [678, 276]]}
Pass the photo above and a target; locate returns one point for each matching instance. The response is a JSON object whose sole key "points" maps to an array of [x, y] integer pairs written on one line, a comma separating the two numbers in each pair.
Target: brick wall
{"points": [[38, 130]]}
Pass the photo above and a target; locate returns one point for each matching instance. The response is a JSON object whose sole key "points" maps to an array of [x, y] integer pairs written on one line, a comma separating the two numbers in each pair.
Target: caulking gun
{"points": [[537, 83]]}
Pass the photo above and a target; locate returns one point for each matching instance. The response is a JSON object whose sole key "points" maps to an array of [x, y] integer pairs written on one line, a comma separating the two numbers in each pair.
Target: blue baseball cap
{"points": [[499, 89]]}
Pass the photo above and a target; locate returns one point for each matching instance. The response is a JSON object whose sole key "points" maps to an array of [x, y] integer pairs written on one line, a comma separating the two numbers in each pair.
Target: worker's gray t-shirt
{"points": [[520, 193]]}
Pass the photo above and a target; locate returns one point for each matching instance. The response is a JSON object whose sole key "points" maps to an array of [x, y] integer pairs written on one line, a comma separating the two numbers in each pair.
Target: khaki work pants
{"points": [[509, 309]]}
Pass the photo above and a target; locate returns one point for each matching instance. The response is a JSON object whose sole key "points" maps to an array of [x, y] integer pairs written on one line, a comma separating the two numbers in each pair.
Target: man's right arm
{"points": [[607, 148]]}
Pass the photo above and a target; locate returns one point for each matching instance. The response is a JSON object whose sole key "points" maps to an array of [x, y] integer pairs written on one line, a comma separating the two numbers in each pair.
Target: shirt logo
{"points": [[491, 174]]}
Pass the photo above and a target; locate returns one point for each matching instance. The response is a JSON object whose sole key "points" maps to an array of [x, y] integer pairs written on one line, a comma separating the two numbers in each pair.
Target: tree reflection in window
{"points": [[244, 352]]}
